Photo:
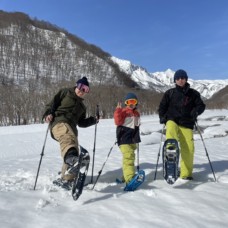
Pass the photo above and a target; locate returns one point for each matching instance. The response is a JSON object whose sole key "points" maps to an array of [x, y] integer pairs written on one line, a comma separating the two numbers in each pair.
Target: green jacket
{"points": [[67, 107]]}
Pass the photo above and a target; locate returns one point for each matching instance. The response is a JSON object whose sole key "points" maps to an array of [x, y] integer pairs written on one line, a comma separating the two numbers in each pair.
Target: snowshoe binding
{"points": [[170, 157], [136, 181], [65, 184]]}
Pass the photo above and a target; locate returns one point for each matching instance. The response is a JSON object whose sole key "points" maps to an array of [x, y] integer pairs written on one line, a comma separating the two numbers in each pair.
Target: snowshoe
{"points": [[170, 157], [136, 181], [80, 172]]}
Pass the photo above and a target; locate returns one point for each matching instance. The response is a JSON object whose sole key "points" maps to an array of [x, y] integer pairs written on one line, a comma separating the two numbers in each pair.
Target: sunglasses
{"points": [[177, 79], [83, 88], [131, 102]]}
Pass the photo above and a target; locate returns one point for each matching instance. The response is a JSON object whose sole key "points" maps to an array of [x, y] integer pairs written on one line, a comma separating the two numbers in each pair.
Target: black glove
{"points": [[194, 115], [162, 120], [94, 119], [87, 122]]}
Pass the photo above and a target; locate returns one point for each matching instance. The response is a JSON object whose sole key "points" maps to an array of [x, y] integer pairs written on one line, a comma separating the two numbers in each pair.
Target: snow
{"points": [[161, 81], [199, 203]]}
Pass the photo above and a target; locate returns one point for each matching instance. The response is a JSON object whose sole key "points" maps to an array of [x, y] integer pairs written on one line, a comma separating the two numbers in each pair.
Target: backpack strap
{"points": [[57, 99]]}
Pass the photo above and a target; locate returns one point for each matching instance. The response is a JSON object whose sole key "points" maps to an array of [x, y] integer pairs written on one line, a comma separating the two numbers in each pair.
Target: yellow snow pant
{"points": [[64, 134], [185, 137], [128, 165]]}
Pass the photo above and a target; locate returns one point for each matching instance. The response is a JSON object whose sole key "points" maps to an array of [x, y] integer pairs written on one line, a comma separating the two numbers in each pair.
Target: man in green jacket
{"points": [[65, 112]]}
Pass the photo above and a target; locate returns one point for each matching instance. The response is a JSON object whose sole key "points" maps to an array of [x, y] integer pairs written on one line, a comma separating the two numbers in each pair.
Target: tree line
{"points": [[26, 105], [38, 58]]}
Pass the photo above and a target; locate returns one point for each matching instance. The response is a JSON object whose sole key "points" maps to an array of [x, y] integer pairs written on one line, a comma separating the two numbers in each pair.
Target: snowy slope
{"points": [[199, 203]]}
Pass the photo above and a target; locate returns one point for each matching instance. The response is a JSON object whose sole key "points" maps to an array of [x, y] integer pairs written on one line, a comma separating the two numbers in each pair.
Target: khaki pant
{"points": [[185, 137], [64, 134], [128, 165]]}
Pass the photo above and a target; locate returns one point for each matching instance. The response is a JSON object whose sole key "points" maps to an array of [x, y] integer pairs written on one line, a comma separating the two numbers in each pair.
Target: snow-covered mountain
{"points": [[161, 81], [37, 51]]}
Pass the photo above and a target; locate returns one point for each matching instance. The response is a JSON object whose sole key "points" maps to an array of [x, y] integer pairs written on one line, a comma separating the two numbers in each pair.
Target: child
{"points": [[127, 120]]}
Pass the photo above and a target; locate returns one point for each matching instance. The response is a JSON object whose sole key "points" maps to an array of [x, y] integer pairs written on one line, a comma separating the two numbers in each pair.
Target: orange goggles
{"points": [[131, 102]]}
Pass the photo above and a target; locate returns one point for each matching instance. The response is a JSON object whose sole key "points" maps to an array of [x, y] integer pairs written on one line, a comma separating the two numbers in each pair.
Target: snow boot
{"points": [[65, 184], [71, 159]]}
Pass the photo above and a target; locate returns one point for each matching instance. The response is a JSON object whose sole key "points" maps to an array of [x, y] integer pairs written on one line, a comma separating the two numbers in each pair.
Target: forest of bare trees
{"points": [[38, 58], [26, 106]]}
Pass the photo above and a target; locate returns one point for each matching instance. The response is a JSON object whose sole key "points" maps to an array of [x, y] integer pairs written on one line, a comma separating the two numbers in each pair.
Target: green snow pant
{"points": [[185, 137], [128, 165]]}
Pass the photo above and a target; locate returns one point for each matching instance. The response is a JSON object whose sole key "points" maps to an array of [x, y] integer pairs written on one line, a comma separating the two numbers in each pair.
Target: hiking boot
{"points": [[65, 184], [187, 178], [120, 180], [71, 159]]}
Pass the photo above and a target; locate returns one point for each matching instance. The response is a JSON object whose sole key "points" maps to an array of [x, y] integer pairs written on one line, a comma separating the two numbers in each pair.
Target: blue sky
{"points": [[155, 34]]}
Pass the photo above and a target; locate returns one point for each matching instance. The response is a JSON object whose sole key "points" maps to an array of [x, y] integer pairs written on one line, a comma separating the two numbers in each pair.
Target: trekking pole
{"points": [[138, 157], [94, 146], [197, 127], [159, 152], [99, 173], [42, 154]]}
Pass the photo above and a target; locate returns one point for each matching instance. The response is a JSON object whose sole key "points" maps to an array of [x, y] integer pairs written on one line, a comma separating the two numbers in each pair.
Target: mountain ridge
{"points": [[161, 81], [63, 55]]}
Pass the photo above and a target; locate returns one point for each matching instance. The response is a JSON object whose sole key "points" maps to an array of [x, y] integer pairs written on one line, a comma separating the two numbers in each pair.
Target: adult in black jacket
{"points": [[179, 109]]}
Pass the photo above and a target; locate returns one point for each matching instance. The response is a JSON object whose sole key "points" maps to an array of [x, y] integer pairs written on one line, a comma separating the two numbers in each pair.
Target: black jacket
{"points": [[182, 105]]}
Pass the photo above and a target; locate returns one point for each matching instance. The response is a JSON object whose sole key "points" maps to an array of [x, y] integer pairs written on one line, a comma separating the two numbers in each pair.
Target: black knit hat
{"points": [[180, 74], [83, 81], [131, 96]]}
